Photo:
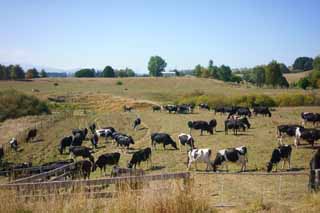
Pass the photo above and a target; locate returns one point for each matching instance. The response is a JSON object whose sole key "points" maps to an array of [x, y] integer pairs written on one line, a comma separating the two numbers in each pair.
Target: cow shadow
{"points": [[155, 168], [295, 169], [37, 141]]}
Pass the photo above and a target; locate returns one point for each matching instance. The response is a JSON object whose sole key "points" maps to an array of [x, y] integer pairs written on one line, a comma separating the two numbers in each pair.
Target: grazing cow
{"points": [[31, 135], [14, 144], [199, 155], [1, 152], [139, 156], [124, 141], [92, 128], [171, 108], [105, 132], [263, 110], [94, 141], [127, 108], [124, 172], [287, 129], [310, 117], [163, 138], [65, 142], [309, 135], [83, 133], [136, 123], [282, 153], [235, 125], [203, 126], [106, 159], [233, 155], [184, 108], [156, 108], [204, 106], [186, 139], [82, 151], [243, 111], [314, 164], [77, 140], [219, 109], [83, 168]]}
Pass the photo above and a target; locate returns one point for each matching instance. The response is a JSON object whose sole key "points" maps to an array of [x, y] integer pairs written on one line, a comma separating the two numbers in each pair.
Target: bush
{"points": [[295, 100], [14, 104], [119, 83]]}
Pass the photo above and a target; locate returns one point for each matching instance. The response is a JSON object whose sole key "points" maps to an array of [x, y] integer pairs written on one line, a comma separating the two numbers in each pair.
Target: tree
{"points": [[197, 70], [303, 64], [16, 72], [316, 63], [283, 82], [315, 78], [259, 75], [4, 72], [224, 73], [156, 65], [43, 74], [85, 73], [32, 73], [303, 83], [130, 72], [108, 72], [213, 70], [273, 73], [284, 68]]}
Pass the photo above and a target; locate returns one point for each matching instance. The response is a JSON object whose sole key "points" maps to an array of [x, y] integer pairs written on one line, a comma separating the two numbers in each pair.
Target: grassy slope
{"points": [[294, 77]]}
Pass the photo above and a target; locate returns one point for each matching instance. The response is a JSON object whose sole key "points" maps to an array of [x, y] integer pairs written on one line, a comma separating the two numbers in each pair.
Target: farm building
{"points": [[168, 74]]}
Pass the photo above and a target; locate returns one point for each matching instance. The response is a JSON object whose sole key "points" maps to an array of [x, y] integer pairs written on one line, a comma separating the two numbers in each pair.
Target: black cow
{"points": [[310, 117], [65, 142], [219, 109], [94, 140], [263, 110], [186, 139], [282, 153], [92, 128], [184, 108], [83, 168], [171, 108], [233, 155], [136, 123], [106, 159], [309, 135], [124, 141], [235, 125], [31, 135], [163, 138], [14, 144], [81, 151], [156, 108], [82, 132], [204, 106], [77, 140], [203, 126], [314, 164], [243, 111], [139, 156]]}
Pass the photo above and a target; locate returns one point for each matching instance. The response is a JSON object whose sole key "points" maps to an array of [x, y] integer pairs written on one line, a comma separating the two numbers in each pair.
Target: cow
{"points": [[106, 159], [105, 132], [156, 108], [219, 109], [82, 168], [199, 155], [136, 123], [1, 153], [235, 125], [77, 140], [204, 106], [263, 110], [124, 172], [32, 133], [233, 155], [92, 128], [163, 138], [287, 129], [171, 108], [310, 117], [65, 142], [314, 164], [127, 108], [186, 139], [14, 144], [94, 140], [139, 156], [282, 153], [184, 108], [82, 151], [243, 111], [203, 126], [83, 133], [124, 141], [310, 135]]}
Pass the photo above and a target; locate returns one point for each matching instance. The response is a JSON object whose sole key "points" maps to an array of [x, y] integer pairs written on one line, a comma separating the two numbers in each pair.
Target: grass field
{"points": [[103, 100], [294, 77]]}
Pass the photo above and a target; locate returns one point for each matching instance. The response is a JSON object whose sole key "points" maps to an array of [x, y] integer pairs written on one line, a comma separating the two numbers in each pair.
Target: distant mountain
{"points": [[40, 67]]}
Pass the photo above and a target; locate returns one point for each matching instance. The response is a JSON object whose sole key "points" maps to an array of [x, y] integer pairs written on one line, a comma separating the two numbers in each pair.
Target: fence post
{"points": [[279, 189], [221, 191]]}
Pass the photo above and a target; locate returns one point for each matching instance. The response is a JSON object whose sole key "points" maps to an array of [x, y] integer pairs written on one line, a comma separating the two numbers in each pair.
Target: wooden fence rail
{"points": [[256, 173]]}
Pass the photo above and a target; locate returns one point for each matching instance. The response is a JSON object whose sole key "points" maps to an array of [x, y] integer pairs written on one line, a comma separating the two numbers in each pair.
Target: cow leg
{"points": [[284, 161], [276, 167], [196, 166], [289, 166], [201, 132]]}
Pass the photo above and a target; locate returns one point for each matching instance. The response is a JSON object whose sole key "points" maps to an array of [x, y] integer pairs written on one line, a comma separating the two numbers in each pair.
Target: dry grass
{"points": [[294, 77]]}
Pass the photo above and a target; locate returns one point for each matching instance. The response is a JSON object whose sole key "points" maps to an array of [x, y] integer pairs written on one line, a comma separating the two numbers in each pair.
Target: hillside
{"points": [[294, 77]]}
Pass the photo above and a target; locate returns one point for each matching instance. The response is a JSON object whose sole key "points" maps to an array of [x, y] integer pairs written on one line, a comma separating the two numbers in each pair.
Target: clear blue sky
{"points": [[239, 33]]}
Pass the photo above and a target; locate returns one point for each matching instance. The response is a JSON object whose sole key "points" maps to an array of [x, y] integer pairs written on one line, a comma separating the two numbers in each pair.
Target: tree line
{"points": [[313, 79], [107, 72], [15, 72]]}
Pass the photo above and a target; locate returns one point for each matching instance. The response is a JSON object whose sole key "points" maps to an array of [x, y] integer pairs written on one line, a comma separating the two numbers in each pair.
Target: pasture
{"points": [[102, 100]]}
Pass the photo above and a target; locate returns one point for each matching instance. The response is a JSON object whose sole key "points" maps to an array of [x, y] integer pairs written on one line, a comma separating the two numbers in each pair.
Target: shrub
{"points": [[119, 83], [14, 104]]}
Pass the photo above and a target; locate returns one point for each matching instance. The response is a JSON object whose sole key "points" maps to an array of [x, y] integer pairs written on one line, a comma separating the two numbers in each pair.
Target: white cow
{"points": [[199, 155]]}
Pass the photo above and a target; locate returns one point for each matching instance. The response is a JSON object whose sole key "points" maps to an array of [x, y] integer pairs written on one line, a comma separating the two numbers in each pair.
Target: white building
{"points": [[168, 74]]}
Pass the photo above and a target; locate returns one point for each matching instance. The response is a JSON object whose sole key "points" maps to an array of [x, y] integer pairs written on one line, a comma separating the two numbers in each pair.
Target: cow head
{"points": [[174, 144], [269, 113], [269, 167], [246, 122]]}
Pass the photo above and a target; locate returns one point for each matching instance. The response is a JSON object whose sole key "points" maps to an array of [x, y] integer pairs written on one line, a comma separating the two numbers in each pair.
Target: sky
{"points": [[70, 34]]}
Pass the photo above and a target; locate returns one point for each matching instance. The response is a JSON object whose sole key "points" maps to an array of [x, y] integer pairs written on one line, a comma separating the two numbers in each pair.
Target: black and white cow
{"points": [[170, 108], [204, 106], [139, 156], [263, 110], [184, 108], [106, 159], [31, 135], [14, 144], [287, 129], [233, 155], [314, 118], [186, 139], [203, 126], [162, 138], [282, 153], [65, 142], [156, 108], [314, 164], [309, 135], [136, 123], [84, 152], [199, 155]]}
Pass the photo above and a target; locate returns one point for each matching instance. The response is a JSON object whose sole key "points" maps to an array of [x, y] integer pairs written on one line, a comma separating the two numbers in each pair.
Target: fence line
{"points": [[255, 173]]}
